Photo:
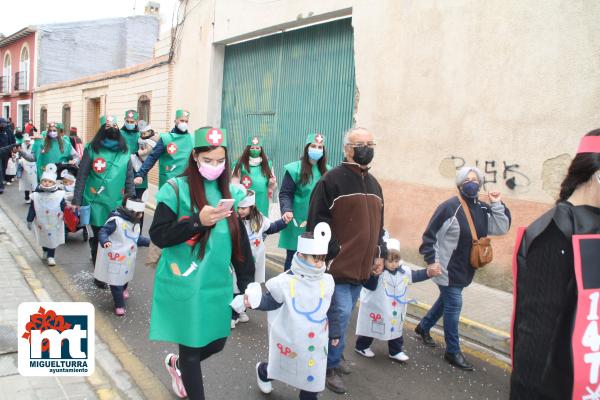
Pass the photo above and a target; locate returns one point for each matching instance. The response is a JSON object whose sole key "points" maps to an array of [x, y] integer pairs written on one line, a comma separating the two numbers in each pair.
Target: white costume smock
{"points": [[299, 330], [383, 310], [48, 225], [116, 264]]}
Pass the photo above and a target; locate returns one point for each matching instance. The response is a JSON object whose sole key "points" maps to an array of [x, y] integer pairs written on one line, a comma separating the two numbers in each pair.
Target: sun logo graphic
{"points": [[56, 339]]}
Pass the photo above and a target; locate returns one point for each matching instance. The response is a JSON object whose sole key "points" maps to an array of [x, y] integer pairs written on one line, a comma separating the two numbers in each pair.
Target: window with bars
{"points": [[144, 108]]}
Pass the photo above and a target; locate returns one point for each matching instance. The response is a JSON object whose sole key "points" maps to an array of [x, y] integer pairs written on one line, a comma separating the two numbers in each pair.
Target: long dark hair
{"points": [[245, 161], [306, 174], [101, 135], [48, 142], [581, 170], [255, 218], [198, 200]]}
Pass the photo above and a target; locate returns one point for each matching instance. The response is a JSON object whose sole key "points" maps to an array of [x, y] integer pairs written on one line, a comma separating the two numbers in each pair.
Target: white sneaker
{"points": [[233, 322], [51, 262], [176, 381], [365, 353], [263, 386], [8, 183], [243, 317], [28, 201], [399, 357]]}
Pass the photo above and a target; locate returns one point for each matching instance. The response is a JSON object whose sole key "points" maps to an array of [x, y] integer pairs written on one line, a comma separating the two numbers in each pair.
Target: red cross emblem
{"points": [[130, 114], [99, 165], [255, 141], [172, 148], [214, 136], [256, 242], [319, 138], [246, 181]]}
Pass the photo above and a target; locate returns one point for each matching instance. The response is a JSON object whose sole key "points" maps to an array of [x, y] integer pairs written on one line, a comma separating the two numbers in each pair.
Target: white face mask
{"points": [[70, 188], [182, 126]]}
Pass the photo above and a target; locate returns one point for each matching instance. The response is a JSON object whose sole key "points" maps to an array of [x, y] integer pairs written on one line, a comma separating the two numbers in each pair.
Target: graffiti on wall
{"points": [[494, 172]]}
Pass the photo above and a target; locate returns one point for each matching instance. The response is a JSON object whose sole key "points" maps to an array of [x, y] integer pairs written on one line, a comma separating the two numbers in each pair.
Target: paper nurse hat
{"points": [[393, 244], [254, 141], [60, 126], [210, 137], [319, 244], [112, 119], [131, 114], [248, 200], [315, 138], [50, 172], [135, 205], [182, 113], [67, 175]]}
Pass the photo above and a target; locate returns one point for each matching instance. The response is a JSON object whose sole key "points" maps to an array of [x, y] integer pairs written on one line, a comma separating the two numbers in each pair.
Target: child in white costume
{"points": [[297, 301], [28, 181], [383, 302], [118, 241], [257, 228], [45, 215]]}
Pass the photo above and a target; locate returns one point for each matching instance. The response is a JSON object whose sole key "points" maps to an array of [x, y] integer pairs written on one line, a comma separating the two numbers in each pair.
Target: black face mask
{"points": [[363, 155], [112, 133]]}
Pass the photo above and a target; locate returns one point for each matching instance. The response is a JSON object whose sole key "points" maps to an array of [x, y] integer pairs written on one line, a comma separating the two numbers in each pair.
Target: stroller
{"points": [[71, 217]]}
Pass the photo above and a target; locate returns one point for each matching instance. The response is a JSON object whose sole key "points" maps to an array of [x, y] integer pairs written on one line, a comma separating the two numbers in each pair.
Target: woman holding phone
{"points": [[200, 237]]}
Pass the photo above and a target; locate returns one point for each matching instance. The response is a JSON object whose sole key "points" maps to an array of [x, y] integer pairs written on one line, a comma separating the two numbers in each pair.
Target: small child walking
{"points": [[383, 302], [45, 215], [118, 241], [297, 301], [257, 228], [28, 180]]}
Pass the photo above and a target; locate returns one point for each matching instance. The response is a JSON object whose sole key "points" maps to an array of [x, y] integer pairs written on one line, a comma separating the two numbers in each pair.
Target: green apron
{"points": [[174, 159], [52, 156], [131, 138], [105, 184], [288, 238], [259, 183], [193, 310]]}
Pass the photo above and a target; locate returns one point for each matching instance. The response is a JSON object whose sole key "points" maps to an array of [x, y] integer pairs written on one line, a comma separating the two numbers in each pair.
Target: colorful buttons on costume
{"points": [[394, 303], [311, 363], [394, 321], [394, 313], [310, 378], [311, 335], [311, 348]]}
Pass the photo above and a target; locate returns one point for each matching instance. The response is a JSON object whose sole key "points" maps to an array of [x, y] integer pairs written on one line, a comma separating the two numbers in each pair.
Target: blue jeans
{"points": [[343, 301], [448, 304]]}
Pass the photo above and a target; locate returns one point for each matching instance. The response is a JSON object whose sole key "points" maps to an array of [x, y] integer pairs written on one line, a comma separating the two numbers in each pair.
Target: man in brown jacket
{"points": [[350, 200]]}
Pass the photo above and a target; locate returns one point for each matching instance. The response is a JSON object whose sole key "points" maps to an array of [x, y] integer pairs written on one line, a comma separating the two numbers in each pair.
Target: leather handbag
{"points": [[481, 248]]}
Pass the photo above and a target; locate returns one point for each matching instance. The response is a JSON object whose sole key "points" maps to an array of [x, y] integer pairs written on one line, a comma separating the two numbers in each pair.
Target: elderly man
{"points": [[350, 200]]}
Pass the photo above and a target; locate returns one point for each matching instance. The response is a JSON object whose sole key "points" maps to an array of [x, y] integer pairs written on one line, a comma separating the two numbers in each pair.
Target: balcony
{"points": [[21, 81], [4, 84]]}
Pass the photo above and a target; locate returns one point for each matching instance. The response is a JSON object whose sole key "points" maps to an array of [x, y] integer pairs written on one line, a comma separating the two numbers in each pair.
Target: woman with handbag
{"points": [[105, 175], [456, 240], [201, 238]]}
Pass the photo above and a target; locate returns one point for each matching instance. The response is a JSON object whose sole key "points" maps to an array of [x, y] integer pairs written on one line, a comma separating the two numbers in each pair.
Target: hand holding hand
{"points": [[335, 342], [287, 216], [138, 180], [107, 245], [378, 266], [211, 215], [246, 301], [434, 269]]}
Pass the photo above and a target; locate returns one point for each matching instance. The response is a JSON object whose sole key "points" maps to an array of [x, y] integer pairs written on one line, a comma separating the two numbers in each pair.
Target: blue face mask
{"points": [[129, 127], [315, 154], [470, 189]]}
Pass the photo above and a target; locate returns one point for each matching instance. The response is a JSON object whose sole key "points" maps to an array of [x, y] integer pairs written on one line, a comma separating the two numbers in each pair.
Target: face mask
{"points": [[470, 189], [182, 126], [112, 133], [315, 154], [52, 134], [211, 172], [129, 127], [69, 188], [363, 155], [255, 153]]}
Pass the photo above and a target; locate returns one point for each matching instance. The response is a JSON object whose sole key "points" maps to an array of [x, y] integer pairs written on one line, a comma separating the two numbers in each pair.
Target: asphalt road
{"points": [[231, 375]]}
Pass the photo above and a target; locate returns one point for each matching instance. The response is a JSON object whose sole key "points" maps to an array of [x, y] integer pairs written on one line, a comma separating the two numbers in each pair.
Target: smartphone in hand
{"points": [[225, 204]]}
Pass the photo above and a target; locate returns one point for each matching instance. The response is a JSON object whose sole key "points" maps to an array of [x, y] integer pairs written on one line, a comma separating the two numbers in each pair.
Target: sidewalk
{"points": [[486, 313], [19, 283]]}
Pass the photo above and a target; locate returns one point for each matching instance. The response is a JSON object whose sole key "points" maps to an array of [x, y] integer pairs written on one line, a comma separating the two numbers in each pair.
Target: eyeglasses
{"points": [[358, 145]]}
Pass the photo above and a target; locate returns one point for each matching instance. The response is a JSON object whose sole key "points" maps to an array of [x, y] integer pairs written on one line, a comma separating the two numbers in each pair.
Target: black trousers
{"points": [[394, 345], [262, 374], [190, 359]]}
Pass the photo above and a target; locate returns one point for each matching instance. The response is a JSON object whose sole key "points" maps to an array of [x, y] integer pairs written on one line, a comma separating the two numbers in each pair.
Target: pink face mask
{"points": [[211, 172]]}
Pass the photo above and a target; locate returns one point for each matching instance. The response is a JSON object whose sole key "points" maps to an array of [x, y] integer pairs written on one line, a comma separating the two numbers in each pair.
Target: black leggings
{"points": [[191, 371]]}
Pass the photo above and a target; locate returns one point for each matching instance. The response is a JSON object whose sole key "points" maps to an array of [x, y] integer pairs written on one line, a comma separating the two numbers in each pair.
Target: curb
{"points": [[489, 338]]}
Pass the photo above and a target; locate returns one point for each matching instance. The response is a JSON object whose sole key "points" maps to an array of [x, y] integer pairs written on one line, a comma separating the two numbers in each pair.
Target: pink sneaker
{"points": [[176, 381], [120, 311], [125, 294]]}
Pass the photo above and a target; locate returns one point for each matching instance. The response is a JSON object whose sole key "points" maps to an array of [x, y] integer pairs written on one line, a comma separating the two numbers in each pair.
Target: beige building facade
{"points": [[509, 86]]}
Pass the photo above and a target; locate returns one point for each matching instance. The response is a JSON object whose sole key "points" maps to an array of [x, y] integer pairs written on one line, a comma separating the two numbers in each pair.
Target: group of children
{"points": [[297, 300]]}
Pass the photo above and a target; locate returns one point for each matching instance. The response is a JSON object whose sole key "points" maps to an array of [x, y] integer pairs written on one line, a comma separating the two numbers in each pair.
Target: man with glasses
{"points": [[350, 200]]}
